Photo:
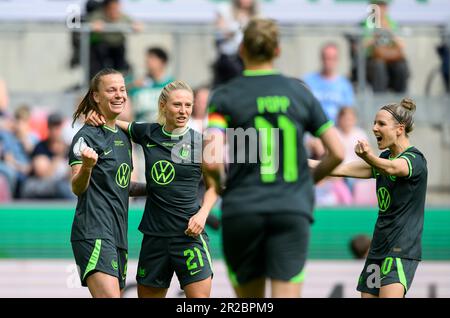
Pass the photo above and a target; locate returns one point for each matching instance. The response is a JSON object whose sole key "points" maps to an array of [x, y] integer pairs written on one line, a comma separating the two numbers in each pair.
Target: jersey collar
{"points": [[168, 134], [390, 158], [260, 72]]}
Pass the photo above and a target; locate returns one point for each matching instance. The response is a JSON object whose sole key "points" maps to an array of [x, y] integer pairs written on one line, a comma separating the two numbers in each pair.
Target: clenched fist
{"points": [[89, 157]]}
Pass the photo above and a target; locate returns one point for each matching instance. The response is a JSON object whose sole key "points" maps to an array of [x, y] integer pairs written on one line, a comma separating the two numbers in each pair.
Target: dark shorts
{"points": [[100, 255], [265, 245], [382, 272], [160, 257]]}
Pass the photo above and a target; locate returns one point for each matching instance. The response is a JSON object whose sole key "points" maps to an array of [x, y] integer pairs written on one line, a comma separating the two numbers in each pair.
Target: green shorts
{"points": [[378, 273], [100, 255], [265, 245], [160, 257]]}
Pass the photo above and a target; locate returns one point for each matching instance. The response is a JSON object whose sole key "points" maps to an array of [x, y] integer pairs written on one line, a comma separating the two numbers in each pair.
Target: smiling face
{"points": [[386, 129], [111, 96], [178, 109]]}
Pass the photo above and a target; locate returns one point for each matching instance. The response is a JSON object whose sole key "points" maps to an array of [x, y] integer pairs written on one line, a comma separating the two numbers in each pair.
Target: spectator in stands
{"points": [[359, 246], [231, 20], [50, 175], [144, 92], [6, 122], [331, 89], [4, 100], [387, 68], [443, 51], [199, 117], [349, 134], [90, 7], [22, 129], [108, 48], [329, 191]]}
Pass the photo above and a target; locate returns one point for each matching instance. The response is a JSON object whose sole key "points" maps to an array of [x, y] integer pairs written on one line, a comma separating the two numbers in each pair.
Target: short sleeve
{"points": [[137, 131], [416, 163], [318, 122], [217, 118], [79, 142]]}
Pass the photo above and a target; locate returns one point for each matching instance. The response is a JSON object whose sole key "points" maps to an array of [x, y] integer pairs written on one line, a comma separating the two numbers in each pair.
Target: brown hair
{"points": [[261, 39], [88, 103], [164, 97], [402, 113], [22, 113]]}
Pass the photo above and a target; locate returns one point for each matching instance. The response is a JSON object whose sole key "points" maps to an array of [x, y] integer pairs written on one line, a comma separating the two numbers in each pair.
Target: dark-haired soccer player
{"points": [[100, 158]]}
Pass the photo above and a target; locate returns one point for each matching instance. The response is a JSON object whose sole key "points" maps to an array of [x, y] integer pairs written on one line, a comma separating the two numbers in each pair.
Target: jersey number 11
{"points": [[269, 157]]}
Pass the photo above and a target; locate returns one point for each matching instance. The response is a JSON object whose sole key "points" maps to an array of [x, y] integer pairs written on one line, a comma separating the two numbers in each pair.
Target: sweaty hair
{"points": [[261, 39], [164, 97], [403, 113], [88, 103]]}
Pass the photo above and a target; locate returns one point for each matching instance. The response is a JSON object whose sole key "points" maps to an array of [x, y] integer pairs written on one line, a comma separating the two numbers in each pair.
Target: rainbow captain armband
{"points": [[218, 121]]}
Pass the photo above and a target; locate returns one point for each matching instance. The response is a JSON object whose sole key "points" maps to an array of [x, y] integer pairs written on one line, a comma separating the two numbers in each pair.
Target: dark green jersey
{"points": [[279, 179], [102, 210], [173, 173], [401, 203]]}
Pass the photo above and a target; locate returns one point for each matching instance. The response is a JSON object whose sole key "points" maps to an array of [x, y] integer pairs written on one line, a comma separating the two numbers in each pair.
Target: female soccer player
{"points": [[100, 158], [267, 204], [401, 174], [173, 223]]}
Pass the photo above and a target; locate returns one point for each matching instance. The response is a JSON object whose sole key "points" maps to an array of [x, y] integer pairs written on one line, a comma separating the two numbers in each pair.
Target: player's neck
{"points": [[170, 129], [400, 146], [111, 123], [259, 66], [329, 75]]}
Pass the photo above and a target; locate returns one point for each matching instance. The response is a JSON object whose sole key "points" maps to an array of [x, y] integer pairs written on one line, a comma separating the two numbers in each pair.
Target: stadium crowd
{"points": [[34, 144]]}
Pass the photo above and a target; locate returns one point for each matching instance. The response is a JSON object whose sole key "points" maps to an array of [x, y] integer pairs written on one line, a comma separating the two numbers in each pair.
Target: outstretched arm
{"points": [[356, 169], [334, 156]]}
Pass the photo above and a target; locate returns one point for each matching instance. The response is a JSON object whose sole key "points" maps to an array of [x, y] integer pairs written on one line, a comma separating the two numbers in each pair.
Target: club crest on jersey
{"points": [[185, 151], [79, 146]]}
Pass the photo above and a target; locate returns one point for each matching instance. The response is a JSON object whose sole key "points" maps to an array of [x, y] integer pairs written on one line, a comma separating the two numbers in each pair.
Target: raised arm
{"points": [[397, 167], [81, 173]]}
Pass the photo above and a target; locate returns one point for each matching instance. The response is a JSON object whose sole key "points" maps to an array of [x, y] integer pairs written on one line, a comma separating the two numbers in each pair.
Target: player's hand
{"points": [[94, 119], [362, 149], [196, 224], [89, 157]]}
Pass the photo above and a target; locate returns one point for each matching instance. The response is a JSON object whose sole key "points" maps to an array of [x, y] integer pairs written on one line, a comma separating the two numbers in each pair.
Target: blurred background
{"points": [[50, 49]]}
